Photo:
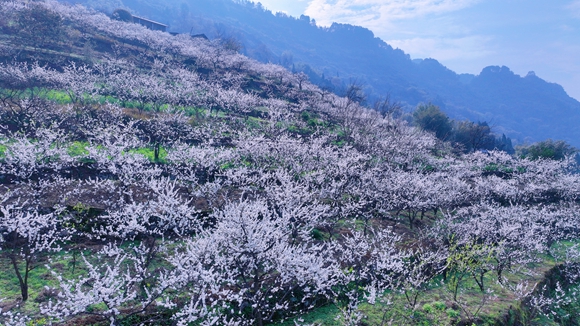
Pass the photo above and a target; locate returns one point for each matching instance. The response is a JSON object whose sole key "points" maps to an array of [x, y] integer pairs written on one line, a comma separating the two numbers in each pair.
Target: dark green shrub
{"points": [[430, 118], [122, 15], [547, 149]]}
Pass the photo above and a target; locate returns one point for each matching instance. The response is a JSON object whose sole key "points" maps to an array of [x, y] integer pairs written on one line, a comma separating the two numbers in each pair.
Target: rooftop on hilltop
{"points": [[153, 25], [124, 15]]}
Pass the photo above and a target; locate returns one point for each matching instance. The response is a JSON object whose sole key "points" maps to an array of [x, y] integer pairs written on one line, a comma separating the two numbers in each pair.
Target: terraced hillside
{"points": [[163, 180]]}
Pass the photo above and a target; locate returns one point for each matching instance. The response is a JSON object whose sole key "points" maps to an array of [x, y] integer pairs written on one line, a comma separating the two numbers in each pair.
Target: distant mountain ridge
{"points": [[524, 108]]}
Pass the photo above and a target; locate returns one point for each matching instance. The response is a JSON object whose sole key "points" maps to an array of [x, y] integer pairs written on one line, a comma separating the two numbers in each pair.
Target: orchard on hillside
{"points": [[167, 180]]}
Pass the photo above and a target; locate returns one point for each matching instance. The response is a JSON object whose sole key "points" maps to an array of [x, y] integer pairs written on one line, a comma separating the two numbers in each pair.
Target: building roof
{"points": [[149, 20]]}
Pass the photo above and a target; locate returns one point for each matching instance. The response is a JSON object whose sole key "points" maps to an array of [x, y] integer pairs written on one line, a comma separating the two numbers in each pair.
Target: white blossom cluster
{"points": [[265, 197]]}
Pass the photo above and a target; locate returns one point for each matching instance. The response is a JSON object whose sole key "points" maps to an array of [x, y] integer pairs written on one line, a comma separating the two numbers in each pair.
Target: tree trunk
{"points": [[479, 280], [156, 149], [412, 216], [259, 319], [23, 281]]}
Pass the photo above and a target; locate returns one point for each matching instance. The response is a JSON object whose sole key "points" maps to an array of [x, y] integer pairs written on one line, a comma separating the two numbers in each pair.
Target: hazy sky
{"points": [[467, 35]]}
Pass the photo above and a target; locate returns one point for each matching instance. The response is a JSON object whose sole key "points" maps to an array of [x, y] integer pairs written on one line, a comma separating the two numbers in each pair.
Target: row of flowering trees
{"points": [[228, 192]]}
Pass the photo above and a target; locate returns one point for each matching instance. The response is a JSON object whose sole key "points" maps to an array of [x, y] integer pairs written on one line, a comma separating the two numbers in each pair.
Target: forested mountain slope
{"points": [[522, 107], [159, 180]]}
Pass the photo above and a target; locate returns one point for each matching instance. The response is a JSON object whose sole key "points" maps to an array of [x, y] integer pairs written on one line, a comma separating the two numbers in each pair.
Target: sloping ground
{"points": [[154, 179], [525, 108]]}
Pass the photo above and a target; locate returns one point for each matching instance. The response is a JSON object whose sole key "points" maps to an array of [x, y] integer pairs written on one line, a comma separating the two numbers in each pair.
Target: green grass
{"points": [[436, 307], [149, 154], [192, 111], [299, 130], [254, 123], [62, 97], [3, 149], [58, 96], [39, 278], [339, 143], [235, 164], [313, 120], [323, 316], [78, 148]]}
